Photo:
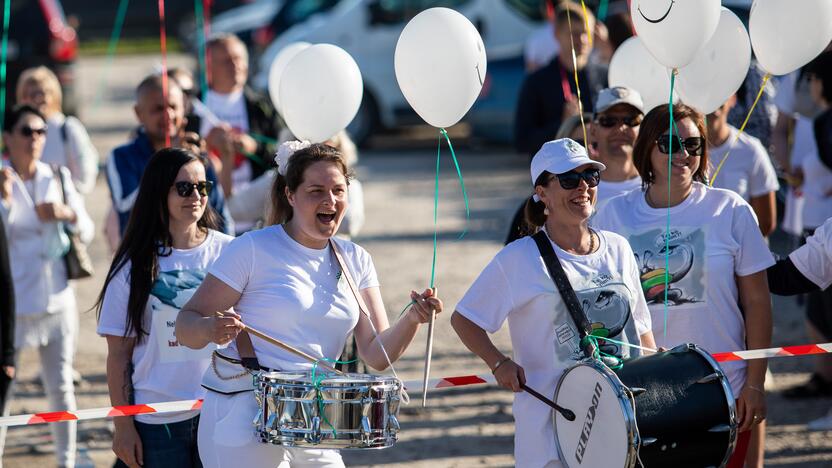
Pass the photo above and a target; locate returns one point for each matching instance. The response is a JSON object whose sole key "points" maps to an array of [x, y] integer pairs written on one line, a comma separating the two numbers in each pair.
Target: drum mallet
{"points": [[428, 352], [567, 414]]}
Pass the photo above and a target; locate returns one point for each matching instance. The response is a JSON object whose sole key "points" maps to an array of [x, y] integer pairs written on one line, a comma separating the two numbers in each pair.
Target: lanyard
{"points": [[564, 84]]}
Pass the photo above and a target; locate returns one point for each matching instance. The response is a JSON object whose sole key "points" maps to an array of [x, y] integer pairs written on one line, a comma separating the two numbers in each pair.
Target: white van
{"points": [[369, 30]]}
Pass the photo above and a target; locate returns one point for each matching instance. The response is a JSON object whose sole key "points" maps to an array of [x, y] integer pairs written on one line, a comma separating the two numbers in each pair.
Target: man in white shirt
{"points": [[240, 125], [747, 169], [617, 117]]}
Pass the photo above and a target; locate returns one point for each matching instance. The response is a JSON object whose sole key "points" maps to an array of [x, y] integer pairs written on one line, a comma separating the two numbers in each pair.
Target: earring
{"points": [[546, 211]]}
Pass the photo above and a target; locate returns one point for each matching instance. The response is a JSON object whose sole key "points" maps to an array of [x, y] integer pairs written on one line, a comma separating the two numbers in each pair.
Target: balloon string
{"points": [[586, 22], [199, 14], [121, 13], [4, 56], [435, 211], [669, 183], [163, 42], [575, 73], [602, 10], [742, 128], [461, 184]]}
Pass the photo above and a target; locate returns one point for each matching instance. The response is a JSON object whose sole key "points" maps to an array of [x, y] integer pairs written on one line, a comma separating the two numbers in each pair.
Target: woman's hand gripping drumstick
{"points": [[232, 329], [429, 344]]}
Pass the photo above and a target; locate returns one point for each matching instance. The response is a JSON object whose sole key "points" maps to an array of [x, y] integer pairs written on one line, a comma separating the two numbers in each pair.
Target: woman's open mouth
{"points": [[325, 217]]}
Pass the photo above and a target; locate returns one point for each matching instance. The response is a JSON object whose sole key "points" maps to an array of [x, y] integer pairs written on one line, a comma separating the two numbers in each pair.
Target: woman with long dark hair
{"points": [[285, 281], [713, 254], [169, 243]]}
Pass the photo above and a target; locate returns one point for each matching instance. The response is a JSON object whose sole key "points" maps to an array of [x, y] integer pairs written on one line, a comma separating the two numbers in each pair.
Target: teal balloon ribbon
{"points": [[263, 138], [461, 183], [4, 58], [597, 354], [121, 14], [669, 181], [199, 13], [602, 10], [316, 382], [435, 211]]}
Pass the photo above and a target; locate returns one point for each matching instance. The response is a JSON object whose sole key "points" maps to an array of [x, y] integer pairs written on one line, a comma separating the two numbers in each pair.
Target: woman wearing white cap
{"points": [[544, 337]]}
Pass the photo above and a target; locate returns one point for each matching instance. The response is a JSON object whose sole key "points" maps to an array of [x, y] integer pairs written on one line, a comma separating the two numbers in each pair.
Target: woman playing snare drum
{"points": [[284, 281], [516, 286]]}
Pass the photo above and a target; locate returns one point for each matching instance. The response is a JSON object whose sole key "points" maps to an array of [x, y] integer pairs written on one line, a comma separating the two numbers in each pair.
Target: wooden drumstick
{"points": [[428, 353], [289, 348]]}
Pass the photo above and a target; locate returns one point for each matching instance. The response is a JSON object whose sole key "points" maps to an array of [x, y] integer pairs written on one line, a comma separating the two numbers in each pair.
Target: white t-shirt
{"points": [[713, 237], [541, 46], [814, 259], [516, 286], [294, 293], [817, 187], [164, 370], [231, 109], [748, 170], [608, 190]]}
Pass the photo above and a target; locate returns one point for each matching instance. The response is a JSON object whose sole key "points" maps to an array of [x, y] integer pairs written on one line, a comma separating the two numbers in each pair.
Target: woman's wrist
{"points": [[499, 363]]}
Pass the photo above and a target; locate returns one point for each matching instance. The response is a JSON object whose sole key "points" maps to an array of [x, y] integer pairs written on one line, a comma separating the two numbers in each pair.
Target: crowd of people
{"points": [[219, 217]]}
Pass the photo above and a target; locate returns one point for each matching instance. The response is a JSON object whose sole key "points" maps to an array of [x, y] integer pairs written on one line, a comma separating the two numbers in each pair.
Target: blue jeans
{"points": [[168, 445]]}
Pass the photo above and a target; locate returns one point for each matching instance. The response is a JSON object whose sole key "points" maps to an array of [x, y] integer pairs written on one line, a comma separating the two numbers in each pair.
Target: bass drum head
{"points": [[603, 432]]}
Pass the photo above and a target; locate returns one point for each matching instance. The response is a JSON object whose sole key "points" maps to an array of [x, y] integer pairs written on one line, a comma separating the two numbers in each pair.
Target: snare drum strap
{"points": [[362, 306], [550, 258], [246, 351]]}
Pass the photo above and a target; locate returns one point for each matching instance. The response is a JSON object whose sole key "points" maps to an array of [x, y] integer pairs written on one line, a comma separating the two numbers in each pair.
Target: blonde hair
{"points": [[43, 77]]}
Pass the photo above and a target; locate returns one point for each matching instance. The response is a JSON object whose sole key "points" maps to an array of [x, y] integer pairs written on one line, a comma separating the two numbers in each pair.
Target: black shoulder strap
{"points": [[568, 295]]}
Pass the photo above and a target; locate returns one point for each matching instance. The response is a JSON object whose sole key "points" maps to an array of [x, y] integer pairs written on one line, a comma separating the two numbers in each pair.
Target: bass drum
{"points": [[673, 408]]}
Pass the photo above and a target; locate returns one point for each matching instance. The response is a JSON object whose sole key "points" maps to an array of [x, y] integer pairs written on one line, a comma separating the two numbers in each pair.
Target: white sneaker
{"points": [[821, 424]]}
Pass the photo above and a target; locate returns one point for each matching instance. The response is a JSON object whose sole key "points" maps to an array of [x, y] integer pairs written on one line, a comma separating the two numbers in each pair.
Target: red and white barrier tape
{"points": [[413, 385]]}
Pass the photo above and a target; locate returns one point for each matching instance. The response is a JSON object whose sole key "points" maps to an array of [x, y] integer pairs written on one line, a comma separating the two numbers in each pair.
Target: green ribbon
{"points": [[121, 13], [263, 138], [669, 181], [316, 382], [597, 354], [4, 52], [602, 10], [199, 13]]}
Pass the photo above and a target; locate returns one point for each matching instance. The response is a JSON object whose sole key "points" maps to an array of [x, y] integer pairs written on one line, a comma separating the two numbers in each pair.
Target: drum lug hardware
{"points": [[682, 348], [365, 430], [709, 378], [720, 428], [393, 422], [636, 391], [316, 435], [648, 441]]}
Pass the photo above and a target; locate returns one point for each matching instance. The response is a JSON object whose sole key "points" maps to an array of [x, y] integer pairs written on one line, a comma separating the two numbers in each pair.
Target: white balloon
{"points": [[788, 34], [440, 65], [278, 66], [674, 30], [320, 92], [633, 66], [720, 67]]}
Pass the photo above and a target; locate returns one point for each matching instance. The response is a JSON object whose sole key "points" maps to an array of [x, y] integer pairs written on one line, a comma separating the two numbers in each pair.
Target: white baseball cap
{"points": [[560, 156], [609, 97]]}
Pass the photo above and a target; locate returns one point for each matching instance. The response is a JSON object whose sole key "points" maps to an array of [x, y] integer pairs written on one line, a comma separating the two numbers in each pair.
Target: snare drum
{"points": [[339, 412], [673, 408]]}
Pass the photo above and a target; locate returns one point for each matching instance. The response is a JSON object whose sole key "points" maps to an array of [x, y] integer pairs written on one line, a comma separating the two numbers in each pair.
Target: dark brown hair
{"points": [[656, 124], [147, 236], [281, 210], [534, 214]]}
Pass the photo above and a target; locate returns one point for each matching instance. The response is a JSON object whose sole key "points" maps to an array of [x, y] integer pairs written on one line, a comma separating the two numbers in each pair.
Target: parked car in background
{"points": [[39, 35], [369, 30]]}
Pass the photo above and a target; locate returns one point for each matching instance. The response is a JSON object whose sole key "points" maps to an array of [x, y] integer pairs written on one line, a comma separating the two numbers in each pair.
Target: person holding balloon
{"points": [[284, 281], [713, 255]]}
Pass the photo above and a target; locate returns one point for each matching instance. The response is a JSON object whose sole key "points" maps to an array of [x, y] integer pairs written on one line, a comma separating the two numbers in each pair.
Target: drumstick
{"points": [[568, 414], [287, 347], [428, 353]]}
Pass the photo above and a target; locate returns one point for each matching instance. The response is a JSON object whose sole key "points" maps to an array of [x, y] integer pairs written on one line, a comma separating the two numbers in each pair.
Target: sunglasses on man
{"points": [[186, 189], [608, 121], [694, 146], [28, 131], [571, 180]]}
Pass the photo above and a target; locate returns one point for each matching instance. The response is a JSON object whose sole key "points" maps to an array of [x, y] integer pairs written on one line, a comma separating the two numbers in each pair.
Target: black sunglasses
{"points": [[694, 146], [185, 189], [29, 131], [607, 121], [571, 180]]}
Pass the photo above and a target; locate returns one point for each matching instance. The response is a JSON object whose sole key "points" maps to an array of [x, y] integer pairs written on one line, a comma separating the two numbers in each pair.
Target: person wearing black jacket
{"points": [[549, 95], [6, 319]]}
